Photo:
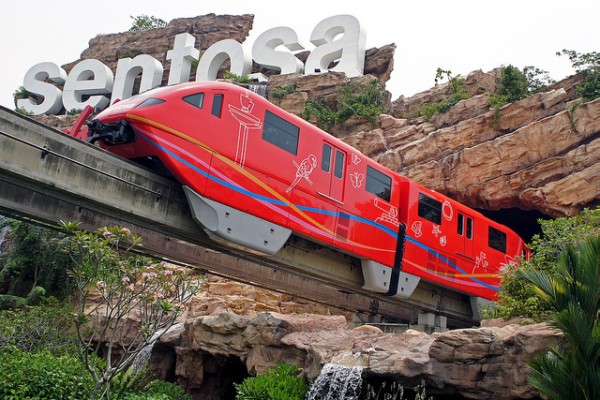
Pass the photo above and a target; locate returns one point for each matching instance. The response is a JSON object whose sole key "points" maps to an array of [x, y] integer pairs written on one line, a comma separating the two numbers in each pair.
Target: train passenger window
{"points": [[430, 209], [339, 165], [379, 184], [197, 100], [497, 239], [326, 162], [461, 226], [469, 228], [281, 133], [217, 105]]}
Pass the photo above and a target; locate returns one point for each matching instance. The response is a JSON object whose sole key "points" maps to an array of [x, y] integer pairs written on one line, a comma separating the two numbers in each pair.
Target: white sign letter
{"points": [[128, 69], [215, 55], [181, 57], [263, 50], [88, 78], [34, 83], [349, 49]]}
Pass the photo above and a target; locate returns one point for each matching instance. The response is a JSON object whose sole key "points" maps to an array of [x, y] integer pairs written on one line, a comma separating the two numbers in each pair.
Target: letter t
{"points": [[181, 57]]}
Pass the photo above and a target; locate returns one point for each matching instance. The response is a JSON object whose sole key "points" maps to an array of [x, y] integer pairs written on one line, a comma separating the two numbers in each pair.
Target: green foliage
{"points": [[395, 391], [456, 90], [515, 294], [365, 101], [572, 292], [34, 259], [42, 376], [515, 85], [589, 64], [22, 93], [237, 78], [23, 111], [144, 22], [47, 327], [279, 92], [142, 385], [113, 281], [279, 383]]}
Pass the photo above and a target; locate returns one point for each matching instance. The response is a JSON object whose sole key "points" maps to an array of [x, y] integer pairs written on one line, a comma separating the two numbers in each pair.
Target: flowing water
{"points": [[337, 382]]}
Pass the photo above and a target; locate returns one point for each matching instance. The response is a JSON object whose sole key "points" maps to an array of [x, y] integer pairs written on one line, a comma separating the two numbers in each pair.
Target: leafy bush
{"points": [[280, 92], [34, 259], [46, 327], [142, 385], [589, 64], [279, 383], [572, 292], [237, 78], [515, 295], [144, 22], [360, 100], [457, 93], [41, 376]]}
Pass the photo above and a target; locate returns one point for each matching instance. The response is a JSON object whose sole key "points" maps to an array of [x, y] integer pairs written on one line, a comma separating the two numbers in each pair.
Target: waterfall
{"points": [[337, 382], [142, 358]]}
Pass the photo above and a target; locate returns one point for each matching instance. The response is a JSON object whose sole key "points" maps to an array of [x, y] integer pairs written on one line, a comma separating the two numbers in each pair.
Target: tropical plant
{"points": [[354, 99], [279, 383], [144, 22], [42, 328], [572, 291], [589, 65], [34, 259], [42, 376], [114, 287], [237, 78], [455, 88], [514, 295]]}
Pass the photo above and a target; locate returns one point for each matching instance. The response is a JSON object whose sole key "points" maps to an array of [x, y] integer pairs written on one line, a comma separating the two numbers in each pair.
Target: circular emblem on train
{"points": [[447, 210]]}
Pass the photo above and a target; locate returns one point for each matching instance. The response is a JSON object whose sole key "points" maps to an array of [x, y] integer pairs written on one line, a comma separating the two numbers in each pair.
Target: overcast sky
{"points": [[457, 35]]}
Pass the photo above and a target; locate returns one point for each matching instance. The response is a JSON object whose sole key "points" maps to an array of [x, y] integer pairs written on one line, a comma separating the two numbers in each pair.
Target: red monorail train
{"points": [[254, 174]]}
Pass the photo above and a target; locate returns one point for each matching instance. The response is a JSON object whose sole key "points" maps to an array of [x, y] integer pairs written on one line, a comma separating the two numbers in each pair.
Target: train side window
{"points": [[339, 165], [197, 100], [430, 209], [281, 133], [497, 239], [469, 228], [461, 223], [326, 162], [217, 105], [379, 183]]}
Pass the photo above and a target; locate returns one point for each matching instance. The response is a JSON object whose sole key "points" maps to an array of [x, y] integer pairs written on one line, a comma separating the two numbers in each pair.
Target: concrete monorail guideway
{"points": [[48, 176]]}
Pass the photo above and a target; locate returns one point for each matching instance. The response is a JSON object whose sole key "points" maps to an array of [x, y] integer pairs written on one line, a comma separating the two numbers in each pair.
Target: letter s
{"points": [[349, 49], [35, 82], [263, 50]]}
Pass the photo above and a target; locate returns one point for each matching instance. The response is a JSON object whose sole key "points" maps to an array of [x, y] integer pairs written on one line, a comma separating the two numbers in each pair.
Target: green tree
{"points": [[514, 295], [144, 22], [589, 65], [279, 383], [34, 259], [571, 372], [115, 286], [455, 88]]}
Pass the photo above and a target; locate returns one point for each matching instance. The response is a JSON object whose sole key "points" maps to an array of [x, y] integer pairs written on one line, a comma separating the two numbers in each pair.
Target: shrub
{"points": [[515, 294], [280, 92], [144, 22], [41, 376], [46, 327], [279, 383], [360, 100], [589, 64], [456, 90]]}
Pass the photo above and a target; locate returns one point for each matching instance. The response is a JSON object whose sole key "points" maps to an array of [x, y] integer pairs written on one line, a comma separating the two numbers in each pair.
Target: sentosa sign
{"points": [[339, 38]]}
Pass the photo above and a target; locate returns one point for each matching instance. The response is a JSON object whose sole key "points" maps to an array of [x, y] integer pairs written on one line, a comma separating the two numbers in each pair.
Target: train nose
{"points": [[112, 134]]}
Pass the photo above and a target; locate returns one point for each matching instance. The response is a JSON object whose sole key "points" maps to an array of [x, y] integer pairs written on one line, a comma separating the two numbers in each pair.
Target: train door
{"points": [[334, 163], [465, 233]]}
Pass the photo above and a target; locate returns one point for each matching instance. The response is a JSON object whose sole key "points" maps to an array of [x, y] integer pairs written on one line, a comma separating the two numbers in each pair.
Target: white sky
{"points": [[459, 35]]}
